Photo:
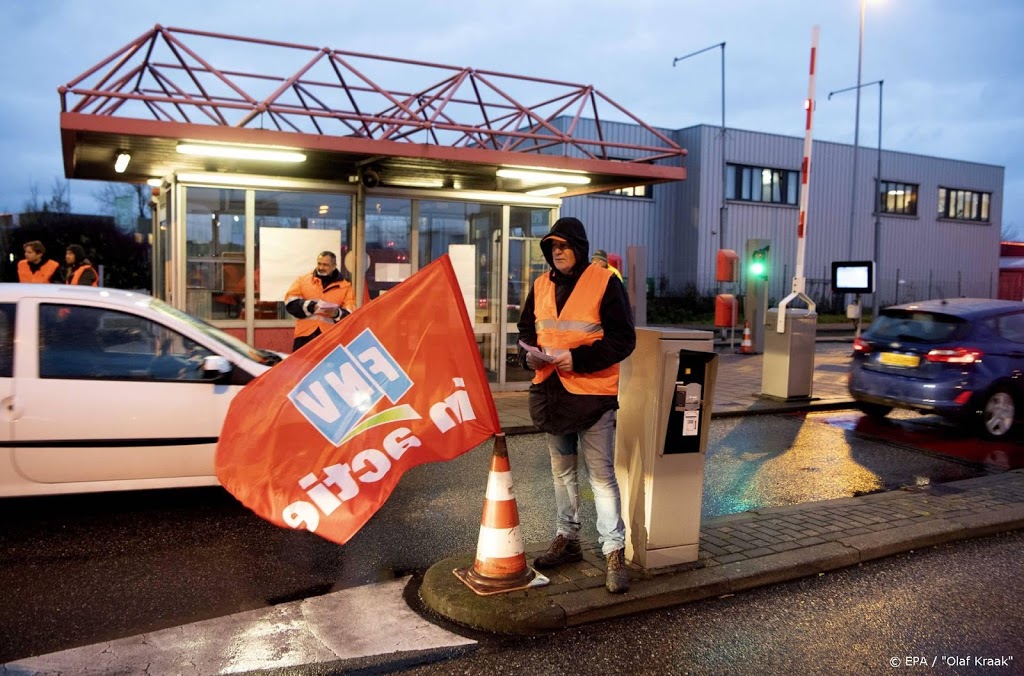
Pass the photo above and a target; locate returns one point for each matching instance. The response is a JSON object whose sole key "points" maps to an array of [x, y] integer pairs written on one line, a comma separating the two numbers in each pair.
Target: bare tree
{"points": [[108, 195], [60, 197], [32, 204]]}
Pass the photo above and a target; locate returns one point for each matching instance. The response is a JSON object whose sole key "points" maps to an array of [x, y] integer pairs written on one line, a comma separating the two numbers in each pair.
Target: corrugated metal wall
{"points": [[921, 256]]}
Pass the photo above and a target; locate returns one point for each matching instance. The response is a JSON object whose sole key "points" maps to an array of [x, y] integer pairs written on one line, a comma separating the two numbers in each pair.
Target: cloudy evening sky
{"points": [[953, 83]]}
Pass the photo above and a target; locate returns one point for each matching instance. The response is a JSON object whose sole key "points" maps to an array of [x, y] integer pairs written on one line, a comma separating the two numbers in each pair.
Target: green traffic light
{"points": [[758, 267]]}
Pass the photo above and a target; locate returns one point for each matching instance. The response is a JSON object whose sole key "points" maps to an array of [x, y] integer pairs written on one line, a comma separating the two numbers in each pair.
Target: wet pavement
{"points": [[736, 552]]}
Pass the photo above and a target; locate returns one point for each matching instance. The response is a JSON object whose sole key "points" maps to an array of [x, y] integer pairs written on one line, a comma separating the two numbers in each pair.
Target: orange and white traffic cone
{"points": [[746, 347], [500, 564]]}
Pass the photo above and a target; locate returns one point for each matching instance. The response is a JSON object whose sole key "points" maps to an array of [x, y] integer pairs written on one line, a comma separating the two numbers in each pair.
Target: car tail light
{"points": [[955, 355], [860, 345]]}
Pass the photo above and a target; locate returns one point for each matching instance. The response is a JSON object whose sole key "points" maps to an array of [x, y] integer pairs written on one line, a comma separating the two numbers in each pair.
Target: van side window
{"points": [[92, 343], [7, 311]]}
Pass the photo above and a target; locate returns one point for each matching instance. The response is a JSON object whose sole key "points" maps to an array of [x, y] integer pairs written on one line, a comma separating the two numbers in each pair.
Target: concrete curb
{"points": [[560, 606], [514, 613]]}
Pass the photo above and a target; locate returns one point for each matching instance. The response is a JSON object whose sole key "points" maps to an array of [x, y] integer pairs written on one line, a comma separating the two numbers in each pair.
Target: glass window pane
{"points": [[388, 229], [214, 233], [441, 224], [984, 206], [299, 211], [792, 186], [777, 187], [730, 182], [745, 184], [942, 201]]}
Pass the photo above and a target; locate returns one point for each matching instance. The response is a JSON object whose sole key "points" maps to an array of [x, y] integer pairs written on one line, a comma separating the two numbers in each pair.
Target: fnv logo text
{"points": [[339, 391]]}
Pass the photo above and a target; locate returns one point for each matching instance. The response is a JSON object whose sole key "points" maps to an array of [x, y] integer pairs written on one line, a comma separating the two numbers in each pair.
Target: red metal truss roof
{"points": [[186, 81]]}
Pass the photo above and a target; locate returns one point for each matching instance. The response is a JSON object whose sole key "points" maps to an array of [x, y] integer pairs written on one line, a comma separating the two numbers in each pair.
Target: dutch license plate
{"points": [[909, 361]]}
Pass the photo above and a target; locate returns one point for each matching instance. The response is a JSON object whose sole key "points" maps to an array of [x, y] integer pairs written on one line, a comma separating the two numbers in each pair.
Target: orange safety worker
{"points": [[577, 324], [35, 268], [319, 299], [601, 258], [80, 271]]}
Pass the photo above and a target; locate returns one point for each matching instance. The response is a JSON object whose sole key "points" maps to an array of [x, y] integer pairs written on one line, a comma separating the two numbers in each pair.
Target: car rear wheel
{"points": [[998, 414], [874, 410]]}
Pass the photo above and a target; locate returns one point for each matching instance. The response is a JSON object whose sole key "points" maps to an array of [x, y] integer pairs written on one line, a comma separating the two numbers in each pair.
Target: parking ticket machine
{"points": [[666, 388]]}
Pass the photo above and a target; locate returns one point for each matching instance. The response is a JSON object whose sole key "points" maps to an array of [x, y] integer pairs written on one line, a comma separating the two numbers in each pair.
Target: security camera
{"points": [[370, 178]]}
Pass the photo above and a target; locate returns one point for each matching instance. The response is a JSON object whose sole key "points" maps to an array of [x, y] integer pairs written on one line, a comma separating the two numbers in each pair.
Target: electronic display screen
{"points": [[853, 276]]}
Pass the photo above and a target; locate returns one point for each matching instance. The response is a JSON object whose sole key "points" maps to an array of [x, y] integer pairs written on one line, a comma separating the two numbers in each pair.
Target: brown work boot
{"points": [[562, 550], [616, 579]]}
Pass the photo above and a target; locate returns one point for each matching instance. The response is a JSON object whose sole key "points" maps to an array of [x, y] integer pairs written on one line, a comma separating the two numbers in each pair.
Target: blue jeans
{"points": [[598, 443]]}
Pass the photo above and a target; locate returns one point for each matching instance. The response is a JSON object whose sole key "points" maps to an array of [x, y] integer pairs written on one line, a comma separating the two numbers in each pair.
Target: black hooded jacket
{"points": [[552, 407]]}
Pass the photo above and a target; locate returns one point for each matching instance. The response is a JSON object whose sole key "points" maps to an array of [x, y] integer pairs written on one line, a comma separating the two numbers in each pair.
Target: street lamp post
{"points": [[875, 301], [856, 134], [723, 212]]}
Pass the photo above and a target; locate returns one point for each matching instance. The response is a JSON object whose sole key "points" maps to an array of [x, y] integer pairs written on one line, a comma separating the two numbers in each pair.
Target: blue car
{"points": [[962, 358]]}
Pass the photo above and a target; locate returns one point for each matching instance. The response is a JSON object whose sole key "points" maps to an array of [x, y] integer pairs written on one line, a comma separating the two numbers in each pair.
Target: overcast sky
{"points": [[953, 81]]}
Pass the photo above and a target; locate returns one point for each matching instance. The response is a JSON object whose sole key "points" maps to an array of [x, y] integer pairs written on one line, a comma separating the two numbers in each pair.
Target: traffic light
{"points": [[758, 267]]}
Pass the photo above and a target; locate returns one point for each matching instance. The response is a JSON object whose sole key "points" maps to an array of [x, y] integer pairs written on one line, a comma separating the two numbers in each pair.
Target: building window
{"points": [[633, 191], [646, 191], [964, 205], [761, 184], [898, 198]]}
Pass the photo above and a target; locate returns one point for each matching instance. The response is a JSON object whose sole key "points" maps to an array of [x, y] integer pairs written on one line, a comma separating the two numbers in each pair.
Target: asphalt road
{"points": [[945, 610], [81, 569]]}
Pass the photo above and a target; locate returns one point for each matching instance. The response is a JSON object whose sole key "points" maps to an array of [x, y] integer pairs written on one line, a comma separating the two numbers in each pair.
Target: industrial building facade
{"points": [[940, 219], [255, 173]]}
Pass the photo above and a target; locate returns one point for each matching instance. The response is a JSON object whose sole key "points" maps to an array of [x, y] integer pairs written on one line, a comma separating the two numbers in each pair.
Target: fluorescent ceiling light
{"points": [[543, 177], [553, 190], [155, 182], [240, 152], [237, 179], [415, 182], [122, 161]]}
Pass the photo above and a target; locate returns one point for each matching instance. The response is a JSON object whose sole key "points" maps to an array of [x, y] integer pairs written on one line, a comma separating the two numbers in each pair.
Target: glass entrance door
{"points": [[525, 263]]}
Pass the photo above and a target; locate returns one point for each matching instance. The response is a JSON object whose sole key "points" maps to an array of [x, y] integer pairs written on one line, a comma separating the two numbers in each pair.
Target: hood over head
{"points": [[79, 252], [572, 231]]}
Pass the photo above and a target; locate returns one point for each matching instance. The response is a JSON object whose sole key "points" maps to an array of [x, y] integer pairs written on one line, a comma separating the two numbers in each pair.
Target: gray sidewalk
{"points": [[742, 551]]}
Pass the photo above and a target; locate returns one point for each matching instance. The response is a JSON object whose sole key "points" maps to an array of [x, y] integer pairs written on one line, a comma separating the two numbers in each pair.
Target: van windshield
{"points": [[265, 357]]}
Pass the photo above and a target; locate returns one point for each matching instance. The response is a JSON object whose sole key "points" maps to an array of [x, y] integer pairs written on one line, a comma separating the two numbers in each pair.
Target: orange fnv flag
{"points": [[320, 440]]}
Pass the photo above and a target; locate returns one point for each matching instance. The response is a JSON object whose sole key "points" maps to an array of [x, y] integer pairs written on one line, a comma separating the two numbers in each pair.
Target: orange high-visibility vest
{"points": [[40, 276], [309, 287], [78, 275], [579, 323]]}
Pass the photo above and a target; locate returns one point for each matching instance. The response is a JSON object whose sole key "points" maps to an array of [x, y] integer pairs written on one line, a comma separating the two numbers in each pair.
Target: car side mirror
{"points": [[215, 367]]}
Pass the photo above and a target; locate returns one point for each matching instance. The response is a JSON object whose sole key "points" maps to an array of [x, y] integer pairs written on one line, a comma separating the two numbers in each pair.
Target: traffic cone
{"points": [[500, 564], [746, 347]]}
